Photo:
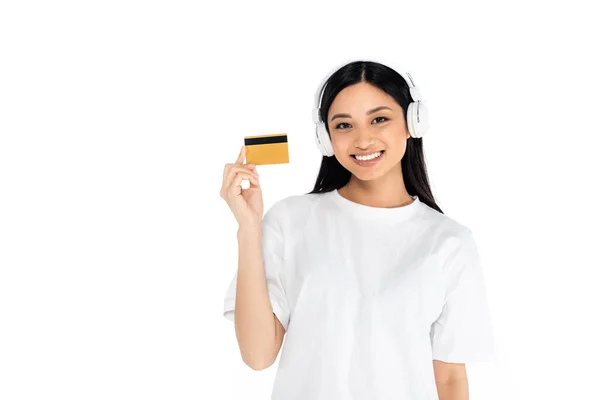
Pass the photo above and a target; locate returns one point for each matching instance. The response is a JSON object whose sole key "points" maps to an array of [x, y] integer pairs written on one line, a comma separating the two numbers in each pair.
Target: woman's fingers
{"points": [[233, 169], [252, 168], [236, 182], [246, 171], [238, 161], [241, 156]]}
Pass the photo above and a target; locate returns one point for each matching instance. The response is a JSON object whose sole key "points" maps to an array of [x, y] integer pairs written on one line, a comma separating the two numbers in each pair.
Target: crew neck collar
{"points": [[381, 213]]}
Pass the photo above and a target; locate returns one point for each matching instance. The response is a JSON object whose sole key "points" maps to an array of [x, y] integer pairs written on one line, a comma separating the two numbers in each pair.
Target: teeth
{"points": [[369, 157]]}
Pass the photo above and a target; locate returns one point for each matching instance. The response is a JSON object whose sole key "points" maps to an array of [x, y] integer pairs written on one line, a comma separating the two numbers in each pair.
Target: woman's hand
{"points": [[246, 204]]}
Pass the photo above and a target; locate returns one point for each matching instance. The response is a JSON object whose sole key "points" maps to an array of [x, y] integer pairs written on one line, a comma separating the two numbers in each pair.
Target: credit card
{"points": [[267, 149]]}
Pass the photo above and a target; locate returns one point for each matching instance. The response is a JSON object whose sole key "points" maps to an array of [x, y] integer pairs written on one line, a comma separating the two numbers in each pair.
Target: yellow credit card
{"points": [[267, 149]]}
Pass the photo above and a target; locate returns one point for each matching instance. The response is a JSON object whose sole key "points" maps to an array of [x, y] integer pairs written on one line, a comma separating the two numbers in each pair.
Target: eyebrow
{"points": [[368, 112]]}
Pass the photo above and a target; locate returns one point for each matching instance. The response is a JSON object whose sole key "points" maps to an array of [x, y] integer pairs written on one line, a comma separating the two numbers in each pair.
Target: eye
{"points": [[385, 118], [338, 125]]}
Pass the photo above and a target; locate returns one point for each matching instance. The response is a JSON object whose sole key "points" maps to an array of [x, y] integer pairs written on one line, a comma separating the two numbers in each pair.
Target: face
{"points": [[358, 130]]}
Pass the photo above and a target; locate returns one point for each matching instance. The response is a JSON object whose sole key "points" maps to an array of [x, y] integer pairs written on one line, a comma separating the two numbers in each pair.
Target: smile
{"points": [[368, 160]]}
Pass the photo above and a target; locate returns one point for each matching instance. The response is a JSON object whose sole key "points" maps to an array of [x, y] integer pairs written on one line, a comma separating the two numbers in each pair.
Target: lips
{"points": [[368, 163], [367, 154]]}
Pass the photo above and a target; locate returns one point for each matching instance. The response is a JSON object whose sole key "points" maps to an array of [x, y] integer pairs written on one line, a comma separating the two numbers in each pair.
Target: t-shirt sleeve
{"points": [[273, 257], [463, 331]]}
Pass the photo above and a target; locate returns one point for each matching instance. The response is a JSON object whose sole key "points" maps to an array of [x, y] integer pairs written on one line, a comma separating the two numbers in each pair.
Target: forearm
{"points": [[453, 390], [254, 318]]}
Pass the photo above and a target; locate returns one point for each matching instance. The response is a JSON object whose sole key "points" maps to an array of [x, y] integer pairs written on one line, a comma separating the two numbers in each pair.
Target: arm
{"points": [[451, 380], [258, 331]]}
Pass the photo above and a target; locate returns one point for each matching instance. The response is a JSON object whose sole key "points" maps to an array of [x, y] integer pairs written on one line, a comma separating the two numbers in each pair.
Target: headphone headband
{"points": [[414, 91]]}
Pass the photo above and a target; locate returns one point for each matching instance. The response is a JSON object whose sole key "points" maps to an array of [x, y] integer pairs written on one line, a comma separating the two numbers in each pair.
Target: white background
{"points": [[116, 120]]}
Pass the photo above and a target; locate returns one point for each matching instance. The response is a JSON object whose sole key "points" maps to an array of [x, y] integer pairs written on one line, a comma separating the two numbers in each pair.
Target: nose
{"points": [[364, 139]]}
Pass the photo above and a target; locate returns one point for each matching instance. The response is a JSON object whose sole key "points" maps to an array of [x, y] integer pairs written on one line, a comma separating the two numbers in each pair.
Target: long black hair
{"points": [[332, 174]]}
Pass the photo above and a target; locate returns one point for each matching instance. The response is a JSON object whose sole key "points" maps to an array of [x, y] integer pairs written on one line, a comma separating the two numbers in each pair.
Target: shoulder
{"points": [[457, 251], [448, 233]]}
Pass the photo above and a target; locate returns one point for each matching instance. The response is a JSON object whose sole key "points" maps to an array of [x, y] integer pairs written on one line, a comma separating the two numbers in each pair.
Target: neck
{"points": [[386, 192]]}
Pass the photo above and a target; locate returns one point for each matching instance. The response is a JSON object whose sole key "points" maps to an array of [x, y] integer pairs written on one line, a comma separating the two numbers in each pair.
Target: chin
{"points": [[366, 174], [365, 177]]}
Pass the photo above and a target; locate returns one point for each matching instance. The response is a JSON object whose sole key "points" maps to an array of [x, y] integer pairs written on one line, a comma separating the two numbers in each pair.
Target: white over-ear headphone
{"points": [[417, 115]]}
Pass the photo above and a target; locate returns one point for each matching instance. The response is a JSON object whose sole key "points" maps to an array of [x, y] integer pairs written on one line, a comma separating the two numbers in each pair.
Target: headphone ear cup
{"points": [[318, 139], [323, 140], [417, 117]]}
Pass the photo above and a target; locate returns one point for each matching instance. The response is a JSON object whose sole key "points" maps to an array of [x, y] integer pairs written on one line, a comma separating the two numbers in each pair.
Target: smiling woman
{"points": [[378, 293], [378, 136], [370, 121]]}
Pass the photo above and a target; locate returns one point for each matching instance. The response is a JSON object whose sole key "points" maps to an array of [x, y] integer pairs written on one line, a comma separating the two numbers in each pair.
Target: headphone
{"points": [[417, 115]]}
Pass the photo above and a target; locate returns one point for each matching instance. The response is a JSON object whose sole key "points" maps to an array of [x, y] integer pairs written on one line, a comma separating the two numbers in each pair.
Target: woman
{"points": [[378, 293]]}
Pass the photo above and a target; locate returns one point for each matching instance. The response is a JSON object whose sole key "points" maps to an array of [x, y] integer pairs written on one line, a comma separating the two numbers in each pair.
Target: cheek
{"points": [[402, 148], [341, 145], [338, 141], [396, 151]]}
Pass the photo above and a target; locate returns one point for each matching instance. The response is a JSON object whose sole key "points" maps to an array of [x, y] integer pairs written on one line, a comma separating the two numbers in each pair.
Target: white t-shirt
{"points": [[369, 297]]}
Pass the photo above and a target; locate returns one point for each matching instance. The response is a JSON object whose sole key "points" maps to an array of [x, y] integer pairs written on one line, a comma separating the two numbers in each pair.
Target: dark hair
{"points": [[332, 174]]}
